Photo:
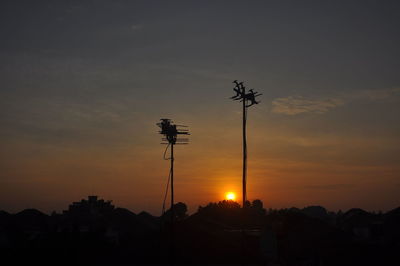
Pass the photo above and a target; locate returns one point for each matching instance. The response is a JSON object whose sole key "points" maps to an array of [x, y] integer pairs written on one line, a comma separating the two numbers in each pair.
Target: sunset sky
{"points": [[83, 84]]}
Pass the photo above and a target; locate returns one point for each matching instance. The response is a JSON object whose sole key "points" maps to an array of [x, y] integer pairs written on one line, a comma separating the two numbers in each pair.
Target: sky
{"points": [[83, 84]]}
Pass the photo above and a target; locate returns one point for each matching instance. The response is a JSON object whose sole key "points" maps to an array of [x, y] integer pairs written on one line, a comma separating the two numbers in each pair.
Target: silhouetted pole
{"points": [[241, 95], [244, 196], [245, 98], [244, 192], [172, 252], [171, 132]]}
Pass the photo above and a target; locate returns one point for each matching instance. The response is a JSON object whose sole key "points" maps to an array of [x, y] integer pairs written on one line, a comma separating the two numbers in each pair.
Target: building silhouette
{"points": [[91, 206]]}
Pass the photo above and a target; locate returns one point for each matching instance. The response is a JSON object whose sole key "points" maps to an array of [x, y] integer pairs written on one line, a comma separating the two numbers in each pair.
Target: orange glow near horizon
{"points": [[230, 196]]}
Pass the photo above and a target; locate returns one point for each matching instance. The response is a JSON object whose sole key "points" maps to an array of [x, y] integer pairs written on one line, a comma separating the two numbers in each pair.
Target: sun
{"points": [[230, 196]]}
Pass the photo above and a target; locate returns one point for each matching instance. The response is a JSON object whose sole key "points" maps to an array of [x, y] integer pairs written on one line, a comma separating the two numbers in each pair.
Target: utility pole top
{"points": [[171, 132], [249, 98]]}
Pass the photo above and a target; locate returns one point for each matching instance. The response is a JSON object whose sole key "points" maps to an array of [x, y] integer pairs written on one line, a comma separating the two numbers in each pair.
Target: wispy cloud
{"points": [[293, 105]]}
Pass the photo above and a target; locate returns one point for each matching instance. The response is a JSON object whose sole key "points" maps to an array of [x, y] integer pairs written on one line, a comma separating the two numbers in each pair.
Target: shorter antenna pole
{"points": [[171, 134], [244, 180], [172, 206]]}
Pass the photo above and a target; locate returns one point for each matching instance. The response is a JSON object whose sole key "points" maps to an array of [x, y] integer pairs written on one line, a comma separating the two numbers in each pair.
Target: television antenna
{"points": [[171, 138], [248, 99]]}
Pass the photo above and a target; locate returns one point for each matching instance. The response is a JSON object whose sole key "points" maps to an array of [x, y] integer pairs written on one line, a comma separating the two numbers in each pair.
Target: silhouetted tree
{"points": [[180, 211], [257, 204], [257, 207], [315, 212], [226, 212]]}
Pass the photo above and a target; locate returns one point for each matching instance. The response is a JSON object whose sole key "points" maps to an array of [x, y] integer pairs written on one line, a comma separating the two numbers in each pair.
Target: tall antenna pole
{"points": [[248, 99], [244, 181], [171, 132]]}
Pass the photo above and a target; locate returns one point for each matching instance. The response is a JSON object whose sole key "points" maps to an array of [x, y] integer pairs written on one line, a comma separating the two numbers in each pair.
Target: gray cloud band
{"points": [[293, 105]]}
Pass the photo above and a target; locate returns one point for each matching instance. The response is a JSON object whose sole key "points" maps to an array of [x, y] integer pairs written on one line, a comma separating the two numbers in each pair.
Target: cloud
{"points": [[293, 105]]}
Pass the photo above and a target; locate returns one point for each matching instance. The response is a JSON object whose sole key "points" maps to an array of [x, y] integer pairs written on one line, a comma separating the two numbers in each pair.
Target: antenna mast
{"points": [[170, 133], [247, 99]]}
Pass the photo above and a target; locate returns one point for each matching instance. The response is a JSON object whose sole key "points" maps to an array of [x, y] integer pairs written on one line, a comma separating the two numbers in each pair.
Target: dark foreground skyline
{"points": [[82, 84], [93, 231], [189, 211]]}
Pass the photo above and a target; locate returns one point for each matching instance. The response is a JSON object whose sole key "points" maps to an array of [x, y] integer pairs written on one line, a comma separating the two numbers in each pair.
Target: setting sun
{"points": [[230, 196]]}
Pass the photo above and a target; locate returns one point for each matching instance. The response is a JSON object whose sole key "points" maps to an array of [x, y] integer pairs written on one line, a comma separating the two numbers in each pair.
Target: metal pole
{"points": [[240, 91], [172, 205], [244, 179], [244, 152], [172, 183], [171, 133]]}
